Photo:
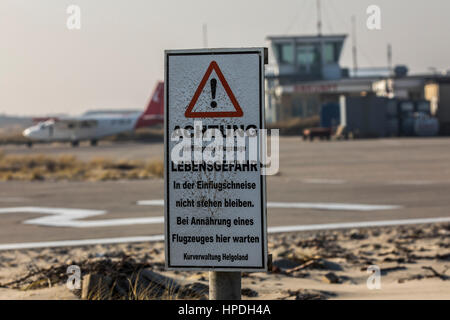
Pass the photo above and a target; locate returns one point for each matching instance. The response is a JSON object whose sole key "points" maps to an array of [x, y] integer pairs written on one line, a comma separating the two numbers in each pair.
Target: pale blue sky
{"points": [[116, 57]]}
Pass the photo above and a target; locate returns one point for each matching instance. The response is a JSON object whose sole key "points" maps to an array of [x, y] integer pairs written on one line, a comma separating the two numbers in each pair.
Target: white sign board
{"points": [[215, 210]]}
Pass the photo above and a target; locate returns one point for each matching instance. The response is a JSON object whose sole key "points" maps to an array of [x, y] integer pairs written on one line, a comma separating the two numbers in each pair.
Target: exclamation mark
{"points": [[213, 84]]}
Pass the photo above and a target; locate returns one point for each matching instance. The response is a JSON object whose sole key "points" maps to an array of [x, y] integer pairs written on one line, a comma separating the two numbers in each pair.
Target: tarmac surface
{"points": [[319, 184]]}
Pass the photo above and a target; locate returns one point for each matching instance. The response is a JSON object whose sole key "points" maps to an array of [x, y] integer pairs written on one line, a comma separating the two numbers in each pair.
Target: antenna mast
{"points": [[319, 18], [205, 35], [354, 48], [389, 58]]}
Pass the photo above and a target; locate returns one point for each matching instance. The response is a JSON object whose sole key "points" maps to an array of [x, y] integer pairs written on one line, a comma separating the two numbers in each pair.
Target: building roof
{"points": [[439, 78], [309, 38]]}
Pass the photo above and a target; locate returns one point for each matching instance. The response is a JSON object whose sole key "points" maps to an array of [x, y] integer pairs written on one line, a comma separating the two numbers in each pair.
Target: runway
{"points": [[322, 185]]}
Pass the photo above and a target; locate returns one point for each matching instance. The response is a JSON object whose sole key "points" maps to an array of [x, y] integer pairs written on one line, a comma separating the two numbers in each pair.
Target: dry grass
{"points": [[68, 167], [136, 290], [117, 276]]}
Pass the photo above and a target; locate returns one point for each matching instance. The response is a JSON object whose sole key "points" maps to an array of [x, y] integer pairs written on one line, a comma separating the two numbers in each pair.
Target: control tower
{"points": [[307, 58]]}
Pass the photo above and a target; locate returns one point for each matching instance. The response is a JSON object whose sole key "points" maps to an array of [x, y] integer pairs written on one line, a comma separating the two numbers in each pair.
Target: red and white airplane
{"points": [[95, 126]]}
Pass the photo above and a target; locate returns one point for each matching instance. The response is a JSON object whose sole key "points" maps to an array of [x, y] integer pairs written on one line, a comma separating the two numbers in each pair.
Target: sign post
{"points": [[224, 285], [215, 203]]}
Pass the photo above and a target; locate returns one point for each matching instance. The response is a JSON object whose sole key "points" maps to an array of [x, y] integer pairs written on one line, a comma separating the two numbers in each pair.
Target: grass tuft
{"points": [[68, 167]]}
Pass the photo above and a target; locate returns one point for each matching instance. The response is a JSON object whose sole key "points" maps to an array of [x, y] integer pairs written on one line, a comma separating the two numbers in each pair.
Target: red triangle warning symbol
{"points": [[213, 66]]}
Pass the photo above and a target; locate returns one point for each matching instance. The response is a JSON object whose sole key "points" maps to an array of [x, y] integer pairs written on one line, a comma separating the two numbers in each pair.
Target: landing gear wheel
{"points": [[94, 143], [29, 144], [75, 143]]}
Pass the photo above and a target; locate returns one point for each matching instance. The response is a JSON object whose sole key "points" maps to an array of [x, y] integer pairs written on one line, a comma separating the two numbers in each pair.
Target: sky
{"points": [[117, 56]]}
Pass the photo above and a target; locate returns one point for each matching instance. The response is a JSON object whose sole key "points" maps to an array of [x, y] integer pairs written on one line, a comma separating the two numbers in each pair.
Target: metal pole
{"points": [[354, 48], [205, 35], [389, 59], [224, 285], [319, 18]]}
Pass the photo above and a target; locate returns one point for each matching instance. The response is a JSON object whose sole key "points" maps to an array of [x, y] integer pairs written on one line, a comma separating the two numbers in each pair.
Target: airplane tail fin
{"points": [[154, 114]]}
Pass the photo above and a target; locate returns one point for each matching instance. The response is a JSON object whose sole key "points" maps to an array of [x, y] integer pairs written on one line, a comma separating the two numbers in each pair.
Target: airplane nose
{"points": [[26, 132]]}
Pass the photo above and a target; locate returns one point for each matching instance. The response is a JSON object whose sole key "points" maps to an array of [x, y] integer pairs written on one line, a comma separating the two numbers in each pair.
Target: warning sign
{"points": [[213, 86], [215, 207]]}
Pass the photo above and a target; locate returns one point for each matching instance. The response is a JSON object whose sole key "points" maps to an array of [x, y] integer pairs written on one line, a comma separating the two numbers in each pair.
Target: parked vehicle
{"points": [[319, 132]]}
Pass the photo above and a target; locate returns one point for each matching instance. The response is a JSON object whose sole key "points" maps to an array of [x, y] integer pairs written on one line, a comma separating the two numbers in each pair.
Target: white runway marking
{"points": [[412, 183], [351, 225], [282, 229], [330, 206], [324, 181], [303, 205], [73, 243], [158, 203], [64, 217]]}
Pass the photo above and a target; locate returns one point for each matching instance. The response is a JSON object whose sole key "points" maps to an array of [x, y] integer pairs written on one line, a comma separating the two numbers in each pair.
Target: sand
{"points": [[413, 261]]}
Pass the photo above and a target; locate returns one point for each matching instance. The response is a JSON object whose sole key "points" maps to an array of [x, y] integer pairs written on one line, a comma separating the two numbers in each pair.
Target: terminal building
{"points": [[305, 74]]}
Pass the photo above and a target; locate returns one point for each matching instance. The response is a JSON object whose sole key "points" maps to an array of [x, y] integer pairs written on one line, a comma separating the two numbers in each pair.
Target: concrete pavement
{"points": [[412, 175]]}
